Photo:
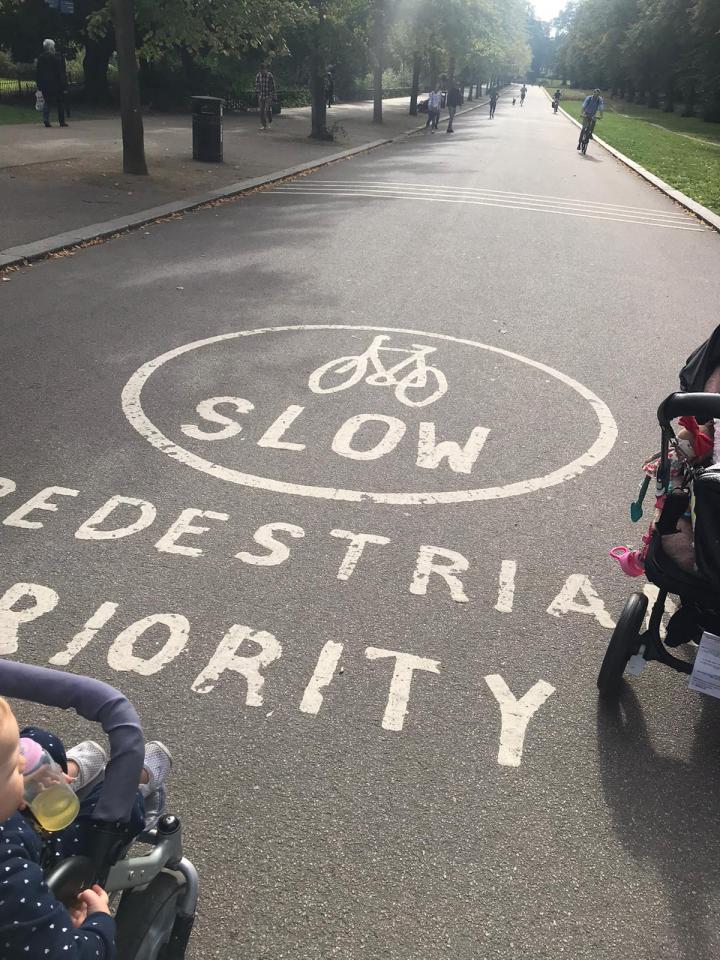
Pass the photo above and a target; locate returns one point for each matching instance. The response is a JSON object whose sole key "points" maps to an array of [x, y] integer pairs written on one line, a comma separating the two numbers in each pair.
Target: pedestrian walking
{"points": [[493, 102], [266, 94], [434, 102], [523, 94], [514, 100], [330, 88], [51, 82], [454, 99]]}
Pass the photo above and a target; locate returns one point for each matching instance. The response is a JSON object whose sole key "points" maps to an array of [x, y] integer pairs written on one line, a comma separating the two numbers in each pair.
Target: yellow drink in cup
{"points": [[55, 808], [47, 792]]}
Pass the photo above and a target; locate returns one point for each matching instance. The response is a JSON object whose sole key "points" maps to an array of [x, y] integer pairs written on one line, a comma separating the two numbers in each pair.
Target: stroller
{"points": [[154, 894], [681, 551]]}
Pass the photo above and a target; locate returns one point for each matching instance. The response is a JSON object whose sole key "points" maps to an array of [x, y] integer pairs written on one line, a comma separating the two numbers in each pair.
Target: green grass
{"points": [[651, 138], [12, 114]]}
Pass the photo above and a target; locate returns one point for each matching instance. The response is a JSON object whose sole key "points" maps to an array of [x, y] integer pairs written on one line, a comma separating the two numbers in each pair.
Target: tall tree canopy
{"points": [[645, 49]]}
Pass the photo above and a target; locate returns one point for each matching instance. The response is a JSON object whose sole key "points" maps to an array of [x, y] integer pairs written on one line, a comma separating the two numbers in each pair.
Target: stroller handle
{"points": [[702, 406], [99, 703]]}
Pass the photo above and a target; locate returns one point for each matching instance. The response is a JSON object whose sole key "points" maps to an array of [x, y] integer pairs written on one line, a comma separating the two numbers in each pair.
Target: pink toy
{"points": [[631, 561]]}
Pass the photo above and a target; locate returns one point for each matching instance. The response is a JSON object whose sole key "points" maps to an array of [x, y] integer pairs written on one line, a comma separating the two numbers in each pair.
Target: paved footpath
{"points": [[364, 594], [55, 180]]}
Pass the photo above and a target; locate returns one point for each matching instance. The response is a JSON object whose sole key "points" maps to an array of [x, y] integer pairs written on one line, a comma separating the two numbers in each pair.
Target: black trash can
{"points": [[207, 127]]}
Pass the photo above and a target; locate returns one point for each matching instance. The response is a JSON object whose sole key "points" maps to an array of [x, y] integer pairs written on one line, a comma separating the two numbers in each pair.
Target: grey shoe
{"points": [[158, 763], [91, 760]]}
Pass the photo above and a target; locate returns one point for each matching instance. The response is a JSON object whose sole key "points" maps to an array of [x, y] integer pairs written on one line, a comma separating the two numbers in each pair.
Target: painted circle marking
{"points": [[132, 408]]}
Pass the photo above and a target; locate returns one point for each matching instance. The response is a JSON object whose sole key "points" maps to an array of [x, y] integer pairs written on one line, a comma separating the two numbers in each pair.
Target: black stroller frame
{"points": [[630, 647], [154, 891]]}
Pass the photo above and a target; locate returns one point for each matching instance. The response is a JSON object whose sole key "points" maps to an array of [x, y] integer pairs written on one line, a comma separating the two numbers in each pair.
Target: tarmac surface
{"points": [[364, 595]]}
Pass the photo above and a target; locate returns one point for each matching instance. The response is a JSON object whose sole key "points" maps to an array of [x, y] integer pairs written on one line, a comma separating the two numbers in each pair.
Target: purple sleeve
{"points": [[100, 703]]}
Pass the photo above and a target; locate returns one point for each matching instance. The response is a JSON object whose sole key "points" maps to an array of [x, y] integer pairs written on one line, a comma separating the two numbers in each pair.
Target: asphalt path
{"points": [[335, 703]]}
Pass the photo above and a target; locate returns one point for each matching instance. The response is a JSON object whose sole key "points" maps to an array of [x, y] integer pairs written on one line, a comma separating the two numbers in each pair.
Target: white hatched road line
{"points": [[588, 206], [681, 214], [498, 195], [507, 205]]}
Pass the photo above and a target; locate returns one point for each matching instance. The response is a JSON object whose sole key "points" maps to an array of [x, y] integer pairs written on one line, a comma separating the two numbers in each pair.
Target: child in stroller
{"points": [[157, 907], [681, 550]]}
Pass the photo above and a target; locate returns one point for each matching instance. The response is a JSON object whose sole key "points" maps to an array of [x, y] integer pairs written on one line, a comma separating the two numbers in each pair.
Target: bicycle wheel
{"points": [[584, 143], [352, 365], [421, 380]]}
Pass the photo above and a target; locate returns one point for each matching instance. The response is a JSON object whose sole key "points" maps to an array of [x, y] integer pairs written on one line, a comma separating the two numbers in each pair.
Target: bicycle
{"points": [[586, 133], [419, 373]]}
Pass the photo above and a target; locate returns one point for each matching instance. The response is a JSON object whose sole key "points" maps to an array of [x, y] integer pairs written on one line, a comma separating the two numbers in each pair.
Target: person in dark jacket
{"points": [[51, 82], [454, 99]]}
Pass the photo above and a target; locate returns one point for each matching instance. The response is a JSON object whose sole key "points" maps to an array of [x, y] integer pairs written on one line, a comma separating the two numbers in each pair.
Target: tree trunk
{"points": [[669, 102], [689, 97], [378, 58], [319, 130], [415, 85], [95, 67], [123, 12], [433, 69]]}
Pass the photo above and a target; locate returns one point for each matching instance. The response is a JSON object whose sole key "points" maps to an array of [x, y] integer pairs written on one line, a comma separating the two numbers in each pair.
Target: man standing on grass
{"points": [[266, 94], [454, 99], [51, 82]]}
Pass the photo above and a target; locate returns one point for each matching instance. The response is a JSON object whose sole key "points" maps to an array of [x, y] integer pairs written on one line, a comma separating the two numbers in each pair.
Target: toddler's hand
{"points": [[78, 913], [95, 899]]}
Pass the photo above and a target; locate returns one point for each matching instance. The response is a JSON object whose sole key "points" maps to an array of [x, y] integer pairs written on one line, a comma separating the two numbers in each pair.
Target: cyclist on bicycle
{"points": [[593, 106]]}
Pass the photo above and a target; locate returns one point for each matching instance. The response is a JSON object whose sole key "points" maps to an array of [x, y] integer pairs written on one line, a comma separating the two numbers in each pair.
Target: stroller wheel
{"points": [[624, 642]]}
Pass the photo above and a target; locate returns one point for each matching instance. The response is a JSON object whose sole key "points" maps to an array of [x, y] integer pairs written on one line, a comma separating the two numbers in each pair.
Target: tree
{"points": [[123, 14], [378, 57], [645, 50]]}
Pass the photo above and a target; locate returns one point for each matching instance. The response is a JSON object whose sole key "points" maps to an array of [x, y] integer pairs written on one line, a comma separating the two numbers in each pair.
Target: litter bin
{"points": [[207, 129]]}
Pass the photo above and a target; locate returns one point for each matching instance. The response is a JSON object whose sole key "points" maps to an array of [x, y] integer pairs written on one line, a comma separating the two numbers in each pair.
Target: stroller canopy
{"points": [[701, 364]]}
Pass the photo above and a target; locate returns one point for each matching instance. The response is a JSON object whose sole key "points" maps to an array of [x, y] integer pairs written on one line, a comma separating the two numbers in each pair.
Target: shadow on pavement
{"points": [[667, 811]]}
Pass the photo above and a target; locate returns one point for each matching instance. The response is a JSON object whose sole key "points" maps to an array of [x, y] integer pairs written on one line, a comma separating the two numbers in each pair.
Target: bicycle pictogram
{"points": [[412, 377]]}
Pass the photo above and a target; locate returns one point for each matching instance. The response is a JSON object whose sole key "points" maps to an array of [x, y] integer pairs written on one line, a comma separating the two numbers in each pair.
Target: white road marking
{"points": [[278, 551], [515, 716], [44, 599], [226, 658], [104, 613], [599, 449], [356, 547], [566, 602], [505, 205], [506, 587], [121, 655], [427, 565], [40, 501], [321, 678], [405, 665], [89, 529], [481, 191], [431, 452], [394, 432], [183, 526]]}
